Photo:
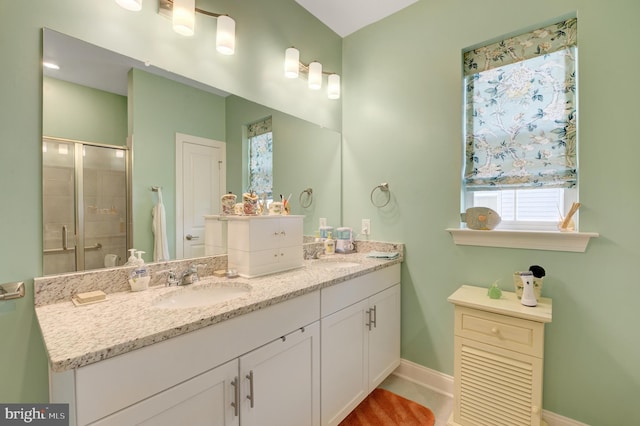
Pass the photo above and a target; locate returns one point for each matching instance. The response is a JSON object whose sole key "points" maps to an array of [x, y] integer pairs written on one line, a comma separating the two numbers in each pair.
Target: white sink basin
{"points": [[337, 263], [203, 295]]}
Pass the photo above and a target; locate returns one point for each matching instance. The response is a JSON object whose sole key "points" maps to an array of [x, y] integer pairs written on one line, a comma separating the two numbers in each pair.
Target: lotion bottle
{"points": [[329, 245]]}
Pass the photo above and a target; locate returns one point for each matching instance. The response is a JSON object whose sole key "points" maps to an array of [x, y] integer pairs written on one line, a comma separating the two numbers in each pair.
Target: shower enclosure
{"points": [[85, 205]]}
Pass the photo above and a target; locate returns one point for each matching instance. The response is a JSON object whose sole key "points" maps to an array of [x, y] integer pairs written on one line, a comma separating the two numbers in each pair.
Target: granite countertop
{"points": [[78, 336]]}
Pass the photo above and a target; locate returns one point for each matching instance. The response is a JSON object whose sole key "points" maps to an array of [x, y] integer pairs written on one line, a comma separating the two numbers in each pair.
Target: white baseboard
{"points": [[443, 383]]}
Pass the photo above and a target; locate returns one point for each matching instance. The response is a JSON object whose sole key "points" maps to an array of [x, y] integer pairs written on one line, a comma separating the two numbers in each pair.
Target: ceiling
{"points": [[347, 16]]}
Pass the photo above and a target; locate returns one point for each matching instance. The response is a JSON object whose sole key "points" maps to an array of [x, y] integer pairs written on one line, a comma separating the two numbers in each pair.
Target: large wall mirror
{"points": [[109, 136]]}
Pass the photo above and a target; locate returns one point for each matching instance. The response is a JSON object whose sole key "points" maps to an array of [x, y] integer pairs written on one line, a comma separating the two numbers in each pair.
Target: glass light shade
{"points": [[226, 35], [133, 5], [333, 91], [315, 75], [184, 17], [51, 65], [291, 62]]}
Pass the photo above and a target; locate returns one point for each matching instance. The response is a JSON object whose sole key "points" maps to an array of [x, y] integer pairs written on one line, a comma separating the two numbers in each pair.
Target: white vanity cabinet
{"points": [[192, 378], [498, 359], [204, 400], [277, 384], [360, 328], [260, 245]]}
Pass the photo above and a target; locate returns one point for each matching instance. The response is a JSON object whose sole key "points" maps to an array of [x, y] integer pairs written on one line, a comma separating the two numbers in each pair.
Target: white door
{"points": [[281, 381], [200, 182]]}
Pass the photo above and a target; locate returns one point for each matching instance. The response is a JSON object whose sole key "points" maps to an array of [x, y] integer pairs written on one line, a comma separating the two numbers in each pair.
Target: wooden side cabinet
{"points": [[498, 359]]}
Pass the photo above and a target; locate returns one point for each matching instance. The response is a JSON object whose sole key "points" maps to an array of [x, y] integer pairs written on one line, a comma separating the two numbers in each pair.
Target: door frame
{"points": [[182, 138]]}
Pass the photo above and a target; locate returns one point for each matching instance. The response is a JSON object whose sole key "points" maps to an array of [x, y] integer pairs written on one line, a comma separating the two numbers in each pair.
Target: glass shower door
{"points": [[58, 202], [84, 206]]}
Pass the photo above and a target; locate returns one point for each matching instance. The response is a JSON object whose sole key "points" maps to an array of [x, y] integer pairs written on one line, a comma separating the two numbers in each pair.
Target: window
{"points": [[260, 149], [520, 126]]}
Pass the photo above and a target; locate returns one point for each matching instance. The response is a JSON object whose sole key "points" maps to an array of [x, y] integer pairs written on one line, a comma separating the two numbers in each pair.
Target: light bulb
{"points": [[226, 35], [315, 75], [184, 17], [291, 62], [133, 5], [333, 91]]}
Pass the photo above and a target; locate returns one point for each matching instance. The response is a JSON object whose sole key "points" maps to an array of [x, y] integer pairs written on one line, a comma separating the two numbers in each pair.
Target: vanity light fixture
{"points": [[293, 67], [183, 12], [333, 90], [184, 17], [133, 5]]}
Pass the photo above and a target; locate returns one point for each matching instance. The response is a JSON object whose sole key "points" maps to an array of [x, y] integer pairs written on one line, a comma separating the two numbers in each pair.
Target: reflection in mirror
{"points": [[84, 196], [145, 107]]}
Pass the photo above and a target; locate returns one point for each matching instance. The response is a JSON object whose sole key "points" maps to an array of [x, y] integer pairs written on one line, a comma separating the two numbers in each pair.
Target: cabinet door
{"points": [[281, 381], [290, 231], [204, 400], [495, 385], [384, 338], [344, 358]]}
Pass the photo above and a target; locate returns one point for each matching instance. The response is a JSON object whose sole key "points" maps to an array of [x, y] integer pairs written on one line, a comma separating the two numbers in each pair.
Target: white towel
{"points": [[159, 227], [383, 254]]}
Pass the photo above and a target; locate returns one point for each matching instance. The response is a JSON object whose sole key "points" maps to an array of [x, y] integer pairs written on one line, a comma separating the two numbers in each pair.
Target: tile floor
{"points": [[440, 404]]}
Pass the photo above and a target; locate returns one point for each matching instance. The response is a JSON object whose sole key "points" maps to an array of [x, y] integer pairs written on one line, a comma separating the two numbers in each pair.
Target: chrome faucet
{"points": [[190, 276], [187, 277], [315, 254]]}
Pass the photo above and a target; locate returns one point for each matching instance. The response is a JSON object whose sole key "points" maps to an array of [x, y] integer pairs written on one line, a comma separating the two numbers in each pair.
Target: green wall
{"points": [[81, 113], [402, 124], [264, 31], [160, 108]]}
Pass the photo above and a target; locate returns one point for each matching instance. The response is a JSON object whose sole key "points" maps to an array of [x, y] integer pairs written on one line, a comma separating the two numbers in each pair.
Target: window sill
{"points": [[536, 240]]}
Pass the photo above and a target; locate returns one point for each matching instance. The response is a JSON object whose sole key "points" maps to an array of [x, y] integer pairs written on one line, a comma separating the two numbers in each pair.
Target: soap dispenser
{"points": [[329, 245], [132, 260], [139, 278], [528, 296]]}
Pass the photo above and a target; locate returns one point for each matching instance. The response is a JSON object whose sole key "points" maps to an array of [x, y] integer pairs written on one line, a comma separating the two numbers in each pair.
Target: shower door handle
{"points": [[191, 237], [64, 237]]}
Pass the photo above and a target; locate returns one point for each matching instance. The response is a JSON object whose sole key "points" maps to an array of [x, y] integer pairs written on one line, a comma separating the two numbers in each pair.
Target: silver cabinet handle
{"points": [[191, 237], [369, 322], [236, 396], [64, 237], [250, 396], [375, 316]]}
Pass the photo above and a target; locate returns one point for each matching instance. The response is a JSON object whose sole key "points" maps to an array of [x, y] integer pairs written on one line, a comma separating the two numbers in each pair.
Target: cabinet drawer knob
{"points": [[495, 330]]}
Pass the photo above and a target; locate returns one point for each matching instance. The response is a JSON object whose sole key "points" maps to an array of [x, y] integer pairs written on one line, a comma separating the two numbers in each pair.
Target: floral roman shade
{"points": [[520, 111], [261, 157]]}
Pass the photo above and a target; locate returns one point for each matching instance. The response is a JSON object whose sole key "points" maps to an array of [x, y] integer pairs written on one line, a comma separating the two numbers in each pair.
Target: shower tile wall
{"points": [[105, 215]]}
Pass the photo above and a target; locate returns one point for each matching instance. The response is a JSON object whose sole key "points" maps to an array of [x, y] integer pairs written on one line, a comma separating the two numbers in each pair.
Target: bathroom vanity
{"points": [[498, 358], [275, 355]]}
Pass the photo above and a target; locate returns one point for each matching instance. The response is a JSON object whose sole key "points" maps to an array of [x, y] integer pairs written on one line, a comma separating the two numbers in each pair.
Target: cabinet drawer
{"points": [[339, 296], [499, 330]]}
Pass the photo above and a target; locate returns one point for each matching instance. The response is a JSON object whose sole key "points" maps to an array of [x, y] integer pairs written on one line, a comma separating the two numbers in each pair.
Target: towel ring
{"points": [[384, 187], [309, 192]]}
